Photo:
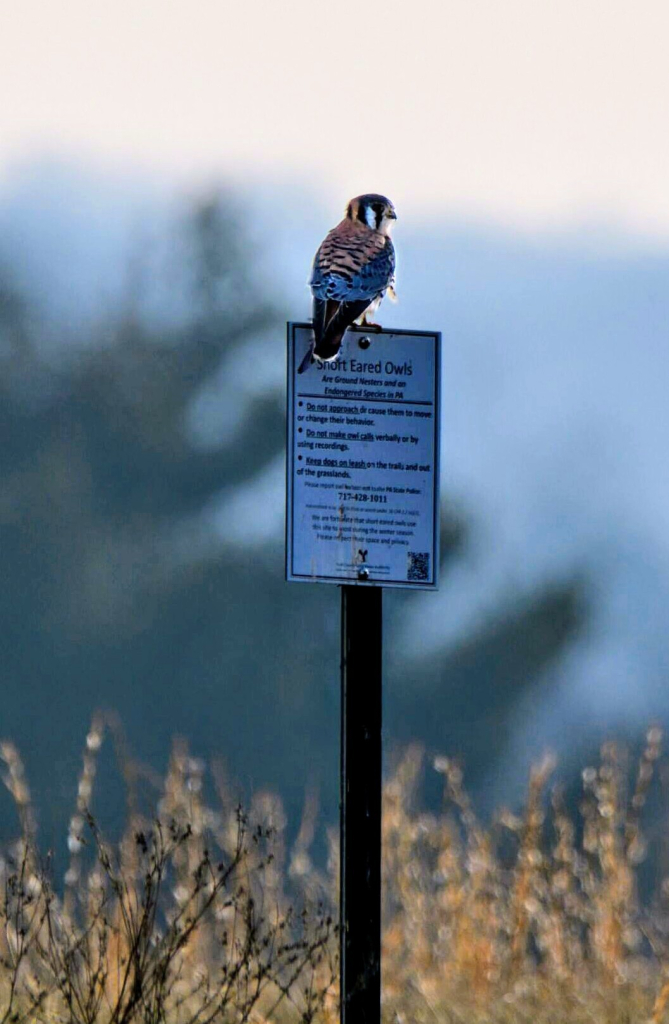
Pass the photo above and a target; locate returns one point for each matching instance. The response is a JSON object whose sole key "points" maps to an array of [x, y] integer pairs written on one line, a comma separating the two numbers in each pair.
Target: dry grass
{"points": [[536, 918], [186, 920], [201, 914]]}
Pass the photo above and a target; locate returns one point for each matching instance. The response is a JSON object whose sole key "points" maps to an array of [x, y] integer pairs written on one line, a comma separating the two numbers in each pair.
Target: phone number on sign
{"points": [[379, 499]]}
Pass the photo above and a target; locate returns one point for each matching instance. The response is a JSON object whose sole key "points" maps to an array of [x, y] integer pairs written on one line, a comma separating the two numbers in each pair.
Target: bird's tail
{"points": [[322, 347], [323, 350], [331, 339], [330, 343], [330, 323], [307, 361]]}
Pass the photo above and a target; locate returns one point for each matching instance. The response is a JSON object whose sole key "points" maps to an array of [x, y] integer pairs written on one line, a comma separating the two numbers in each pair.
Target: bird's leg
{"points": [[369, 325]]}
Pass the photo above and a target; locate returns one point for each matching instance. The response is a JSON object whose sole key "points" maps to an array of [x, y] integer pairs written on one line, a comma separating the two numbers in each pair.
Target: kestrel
{"points": [[353, 269]]}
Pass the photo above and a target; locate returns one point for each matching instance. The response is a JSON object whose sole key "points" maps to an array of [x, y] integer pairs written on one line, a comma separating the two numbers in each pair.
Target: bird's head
{"points": [[375, 211]]}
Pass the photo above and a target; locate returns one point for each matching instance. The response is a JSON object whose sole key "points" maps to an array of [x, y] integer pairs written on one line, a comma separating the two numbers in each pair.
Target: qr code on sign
{"points": [[418, 567]]}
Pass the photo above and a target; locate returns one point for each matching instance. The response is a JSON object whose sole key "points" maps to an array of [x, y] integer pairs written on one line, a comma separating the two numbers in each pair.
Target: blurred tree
{"points": [[113, 593]]}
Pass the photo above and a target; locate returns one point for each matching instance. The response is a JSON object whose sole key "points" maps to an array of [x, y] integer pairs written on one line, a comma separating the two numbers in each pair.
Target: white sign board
{"points": [[363, 460]]}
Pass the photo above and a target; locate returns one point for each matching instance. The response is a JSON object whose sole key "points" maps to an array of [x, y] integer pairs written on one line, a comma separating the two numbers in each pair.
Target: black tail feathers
{"points": [[327, 349], [335, 330], [331, 321], [307, 361]]}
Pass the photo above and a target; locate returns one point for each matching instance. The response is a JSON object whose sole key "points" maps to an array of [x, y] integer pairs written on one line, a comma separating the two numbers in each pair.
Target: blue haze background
{"points": [[166, 173], [550, 626]]}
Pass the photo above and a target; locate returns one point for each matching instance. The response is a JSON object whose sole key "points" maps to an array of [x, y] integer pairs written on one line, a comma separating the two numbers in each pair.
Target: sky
{"points": [[531, 113]]}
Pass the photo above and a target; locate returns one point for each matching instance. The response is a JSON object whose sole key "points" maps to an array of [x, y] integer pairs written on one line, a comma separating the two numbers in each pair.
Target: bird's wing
{"points": [[353, 263], [374, 277]]}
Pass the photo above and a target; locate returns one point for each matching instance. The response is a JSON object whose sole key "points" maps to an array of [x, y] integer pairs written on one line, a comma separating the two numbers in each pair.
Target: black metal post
{"points": [[360, 895]]}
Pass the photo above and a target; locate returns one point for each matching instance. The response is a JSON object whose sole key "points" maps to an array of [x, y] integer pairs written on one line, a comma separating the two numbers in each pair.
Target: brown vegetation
{"points": [[201, 914]]}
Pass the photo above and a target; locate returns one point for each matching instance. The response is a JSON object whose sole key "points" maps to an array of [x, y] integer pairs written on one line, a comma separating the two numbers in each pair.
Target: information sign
{"points": [[363, 460]]}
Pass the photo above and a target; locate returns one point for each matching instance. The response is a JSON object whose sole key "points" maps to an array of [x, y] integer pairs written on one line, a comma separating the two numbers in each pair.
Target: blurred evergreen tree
{"points": [[113, 594]]}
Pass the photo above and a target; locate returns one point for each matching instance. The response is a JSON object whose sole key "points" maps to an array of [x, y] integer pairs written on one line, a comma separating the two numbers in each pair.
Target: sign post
{"points": [[362, 511], [360, 812]]}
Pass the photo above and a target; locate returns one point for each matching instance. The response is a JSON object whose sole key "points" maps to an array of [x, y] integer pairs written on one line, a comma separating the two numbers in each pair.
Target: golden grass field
{"points": [[203, 914]]}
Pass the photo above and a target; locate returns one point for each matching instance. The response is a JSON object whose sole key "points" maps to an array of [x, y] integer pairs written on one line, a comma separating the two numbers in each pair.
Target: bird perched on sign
{"points": [[353, 269]]}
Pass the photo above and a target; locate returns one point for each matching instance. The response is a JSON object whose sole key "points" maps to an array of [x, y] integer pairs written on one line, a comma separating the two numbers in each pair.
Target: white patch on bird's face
{"points": [[387, 224], [370, 217]]}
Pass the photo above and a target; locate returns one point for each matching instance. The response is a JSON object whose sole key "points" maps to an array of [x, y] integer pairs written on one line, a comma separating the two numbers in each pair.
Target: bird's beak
{"points": [[392, 215]]}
